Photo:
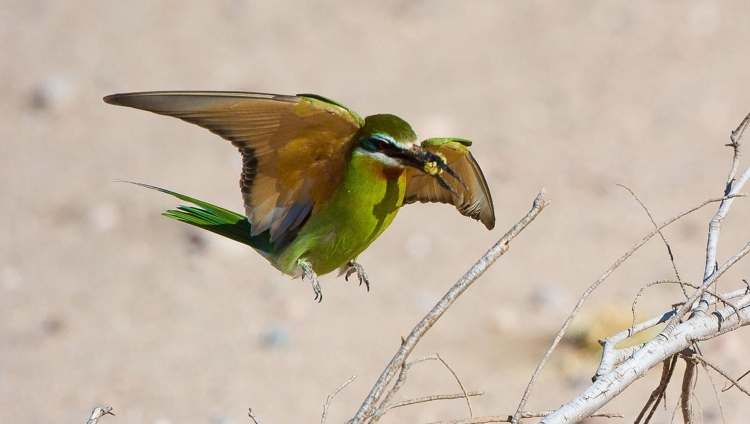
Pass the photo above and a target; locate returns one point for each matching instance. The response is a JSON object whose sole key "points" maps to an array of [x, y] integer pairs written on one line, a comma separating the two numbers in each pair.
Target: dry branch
{"points": [[99, 412], [333, 395], [592, 287], [651, 354], [407, 346]]}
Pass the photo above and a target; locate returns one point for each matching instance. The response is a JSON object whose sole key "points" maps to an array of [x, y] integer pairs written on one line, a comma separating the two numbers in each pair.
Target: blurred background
{"points": [[105, 302]]}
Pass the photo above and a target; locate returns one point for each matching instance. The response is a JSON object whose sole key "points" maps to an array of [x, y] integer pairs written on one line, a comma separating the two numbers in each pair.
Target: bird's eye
{"points": [[377, 143]]}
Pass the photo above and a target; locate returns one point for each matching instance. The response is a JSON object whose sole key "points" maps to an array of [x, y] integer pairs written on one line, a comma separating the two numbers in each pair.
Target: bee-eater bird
{"points": [[319, 183]]}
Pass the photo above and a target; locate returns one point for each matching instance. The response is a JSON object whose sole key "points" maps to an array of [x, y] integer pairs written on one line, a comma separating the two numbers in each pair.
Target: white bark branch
{"points": [[650, 355]]}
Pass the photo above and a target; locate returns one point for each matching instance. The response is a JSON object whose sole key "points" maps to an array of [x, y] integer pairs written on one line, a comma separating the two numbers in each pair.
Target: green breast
{"points": [[359, 211]]}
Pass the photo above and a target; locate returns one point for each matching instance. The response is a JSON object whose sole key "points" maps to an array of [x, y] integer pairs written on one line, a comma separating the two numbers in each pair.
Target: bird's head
{"points": [[391, 140]]}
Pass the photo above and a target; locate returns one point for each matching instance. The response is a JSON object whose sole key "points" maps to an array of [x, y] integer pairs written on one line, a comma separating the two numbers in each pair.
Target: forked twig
{"points": [[400, 381], [732, 187], [715, 297], [333, 395], [99, 412], [408, 344], [699, 293], [386, 405], [660, 391]]}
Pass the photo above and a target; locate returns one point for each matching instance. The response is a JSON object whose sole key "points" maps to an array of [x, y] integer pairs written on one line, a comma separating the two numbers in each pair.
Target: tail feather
{"points": [[216, 220]]}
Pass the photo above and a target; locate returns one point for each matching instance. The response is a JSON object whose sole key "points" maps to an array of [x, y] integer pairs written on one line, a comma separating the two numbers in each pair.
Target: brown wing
{"points": [[294, 148], [473, 201]]}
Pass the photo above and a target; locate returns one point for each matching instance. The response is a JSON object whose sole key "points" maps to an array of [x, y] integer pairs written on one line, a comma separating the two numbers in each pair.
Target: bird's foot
{"points": [[353, 267], [307, 272]]}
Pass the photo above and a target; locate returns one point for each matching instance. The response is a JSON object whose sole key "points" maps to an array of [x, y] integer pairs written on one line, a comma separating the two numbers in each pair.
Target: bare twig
{"points": [[732, 187], [478, 420], [651, 354], [714, 297], [645, 325], [716, 390], [460, 384], [252, 416], [383, 407], [643, 289], [431, 398], [99, 412], [661, 390], [735, 382], [522, 415], [332, 395], [612, 357], [740, 378], [600, 280], [698, 293], [688, 384], [386, 405], [664, 239], [380, 410], [408, 344]]}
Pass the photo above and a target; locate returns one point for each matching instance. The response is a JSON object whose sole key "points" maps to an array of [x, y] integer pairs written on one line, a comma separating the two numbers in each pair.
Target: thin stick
{"points": [[400, 381], [664, 239], [738, 379], [332, 395], [660, 391], [252, 416], [460, 384], [715, 297], [716, 390], [735, 382], [524, 414], [732, 187], [688, 383], [99, 412], [643, 289], [699, 293], [408, 344], [431, 398], [607, 273]]}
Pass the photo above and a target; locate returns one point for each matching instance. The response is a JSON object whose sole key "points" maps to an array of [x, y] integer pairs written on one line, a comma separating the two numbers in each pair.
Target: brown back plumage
{"points": [[294, 148]]}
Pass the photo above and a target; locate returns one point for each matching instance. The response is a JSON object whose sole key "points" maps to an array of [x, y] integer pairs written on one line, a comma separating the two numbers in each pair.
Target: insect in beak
{"points": [[434, 164]]}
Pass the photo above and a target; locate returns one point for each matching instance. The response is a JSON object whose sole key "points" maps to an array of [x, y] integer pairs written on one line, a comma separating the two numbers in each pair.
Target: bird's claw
{"points": [[308, 273], [354, 267]]}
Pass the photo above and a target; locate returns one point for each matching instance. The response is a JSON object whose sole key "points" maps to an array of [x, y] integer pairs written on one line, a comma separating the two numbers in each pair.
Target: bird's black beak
{"points": [[431, 164]]}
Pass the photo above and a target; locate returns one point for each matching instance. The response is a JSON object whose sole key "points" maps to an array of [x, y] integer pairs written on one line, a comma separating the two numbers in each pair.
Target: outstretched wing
{"points": [[472, 199], [294, 148]]}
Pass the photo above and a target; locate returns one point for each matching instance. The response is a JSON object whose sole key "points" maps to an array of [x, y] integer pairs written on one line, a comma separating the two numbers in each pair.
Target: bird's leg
{"points": [[353, 267], [307, 272]]}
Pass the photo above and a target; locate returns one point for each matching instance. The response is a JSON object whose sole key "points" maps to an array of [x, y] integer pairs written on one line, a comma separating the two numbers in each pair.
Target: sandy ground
{"points": [[104, 302]]}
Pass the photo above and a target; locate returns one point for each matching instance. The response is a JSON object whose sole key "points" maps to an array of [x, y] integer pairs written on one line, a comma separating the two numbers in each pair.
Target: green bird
{"points": [[319, 183]]}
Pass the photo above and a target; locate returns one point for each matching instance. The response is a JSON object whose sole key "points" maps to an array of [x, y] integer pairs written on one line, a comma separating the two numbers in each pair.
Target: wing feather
{"points": [[473, 200], [294, 148]]}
